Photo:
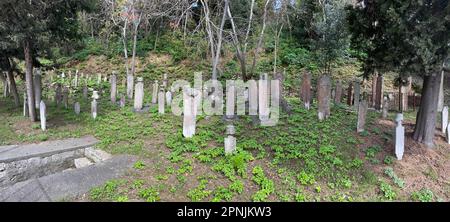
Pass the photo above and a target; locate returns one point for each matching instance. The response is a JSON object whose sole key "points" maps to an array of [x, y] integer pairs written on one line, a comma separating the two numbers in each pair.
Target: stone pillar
{"points": [[161, 101], [76, 107], [441, 94], [99, 78], [37, 84], [350, 94], [66, 97], [113, 87], [76, 79], [155, 92], [58, 94], [305, 92], [231, 100], [362, 113], [399, 137], [230, 140], [43, 112], [165, 82], [94, 107], [338, 92], [379, 93], [444, 119], [385, 107], [323, 96], [263, 99], [357, 95], [139, 94]]}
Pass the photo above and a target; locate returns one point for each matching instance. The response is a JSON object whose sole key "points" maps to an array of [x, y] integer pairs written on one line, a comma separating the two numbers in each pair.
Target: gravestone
{"points": [[161, 101], [338, 92], [76, 79], [165, 82], [99, 78], [155, 92], [379, 93], [440, 105], [230, 103], [113, 87], [399, 137], [323, 96], [37, 84], [25, 105], [189, 112], [122, 101], [94, 104], [350, 94], [263, 98], [283, 102], [305, 92], [444, 119], [169, 98], [66, 97], [230, 140], [253, 97], [356, 95], [42, 112], [77, 108], [362, 113], [139, 94], [385, 107], [85, 91], [130, 84], [447, 134]]}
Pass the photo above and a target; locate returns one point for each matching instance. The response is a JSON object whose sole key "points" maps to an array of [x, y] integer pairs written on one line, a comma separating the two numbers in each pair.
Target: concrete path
{"points": [[67, 184]]}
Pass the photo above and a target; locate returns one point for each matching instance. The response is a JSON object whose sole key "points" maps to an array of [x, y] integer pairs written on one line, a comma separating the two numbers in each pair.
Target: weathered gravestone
{"points": [[305, 92], [161, 101], [230, 140], [122, 101], [37, 84], [323, 96], [362, 113], [25, 105], [385, 107], [374, 88], [42, 112], [76, 107], [85, 91], [356, 95], [338, 92], [113, 87], [399, 136], [231, 100], [66, 97], [189, 111], [444, 119], [94, 107], [139, 94], [169, 98], [284, 104], [350, 94], [155, 92]]}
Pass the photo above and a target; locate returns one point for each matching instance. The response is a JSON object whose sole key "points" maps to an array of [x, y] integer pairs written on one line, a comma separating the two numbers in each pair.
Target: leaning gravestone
{"points": [[306, 90], [155, 92], [139, 94], [230, 140], [338, 93], [399, 137], [42, 111], [362, 113], [94, 107], [385, 107], [323, 97], [161, 102], [357, 95], [76, 107], [444, 119]]}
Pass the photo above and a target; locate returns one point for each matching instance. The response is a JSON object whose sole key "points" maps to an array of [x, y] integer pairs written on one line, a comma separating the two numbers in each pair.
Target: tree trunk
{"points": [[13, 87], [426, 116], [29, 80]]}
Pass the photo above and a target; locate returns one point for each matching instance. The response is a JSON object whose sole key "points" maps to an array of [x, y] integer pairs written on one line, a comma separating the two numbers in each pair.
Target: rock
{"points": [[82, 162], [96, 155]]}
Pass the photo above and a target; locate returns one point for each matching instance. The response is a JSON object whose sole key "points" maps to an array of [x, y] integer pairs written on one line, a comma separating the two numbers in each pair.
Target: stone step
{"points": [[44, 149], [67, 184]]}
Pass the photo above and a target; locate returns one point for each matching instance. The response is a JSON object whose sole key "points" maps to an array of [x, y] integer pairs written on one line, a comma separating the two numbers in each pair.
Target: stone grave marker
{"points": [[399, 136], [155, 92], [94, 104], [323, 97], [385, 107], [230, 140], [444, 119], [362, 113], [161, 101], [139, 94], [113, 87], [338, 92], [43, 112], [305, 92], [76, 107]]}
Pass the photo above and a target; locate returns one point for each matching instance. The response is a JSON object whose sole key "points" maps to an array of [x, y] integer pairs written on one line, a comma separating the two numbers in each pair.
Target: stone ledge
{"points": [[45, 149]]}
